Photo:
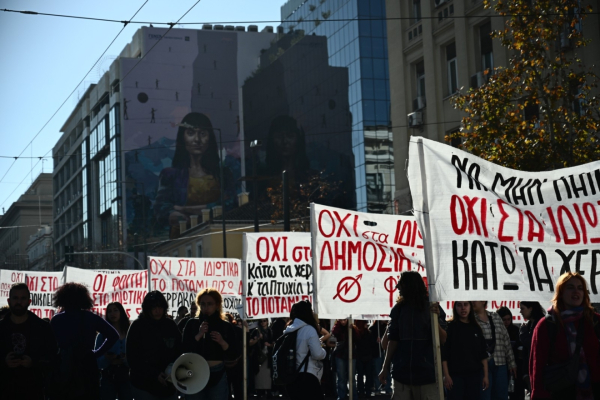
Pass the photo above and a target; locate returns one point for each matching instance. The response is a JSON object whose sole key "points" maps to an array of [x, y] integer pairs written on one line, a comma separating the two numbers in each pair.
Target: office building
{"points": [[121, 172], [32, 211], [361, 47], [437, 47]]}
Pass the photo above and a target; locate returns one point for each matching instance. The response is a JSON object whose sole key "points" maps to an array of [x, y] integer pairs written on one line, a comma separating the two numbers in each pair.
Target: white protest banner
{"points": [[358, 258], [180, 279], [278, 273], [497, 233], [128, 287], [41, 284]]}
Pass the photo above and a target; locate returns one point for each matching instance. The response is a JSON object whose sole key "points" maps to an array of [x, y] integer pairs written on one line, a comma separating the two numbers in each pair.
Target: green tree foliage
{"points": [[541, 111]]}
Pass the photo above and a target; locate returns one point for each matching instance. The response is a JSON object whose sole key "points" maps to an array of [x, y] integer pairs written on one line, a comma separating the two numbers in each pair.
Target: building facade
{"points": [[40, 251], [122, 166], [23, 218], [437, 47], [361, 47]]}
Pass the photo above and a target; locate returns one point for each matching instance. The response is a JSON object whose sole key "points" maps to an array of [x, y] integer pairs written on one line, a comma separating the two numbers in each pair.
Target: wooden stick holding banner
{"points": [[350, 372], [313, 246], [149, 275], [244, 356], [426, 233]]}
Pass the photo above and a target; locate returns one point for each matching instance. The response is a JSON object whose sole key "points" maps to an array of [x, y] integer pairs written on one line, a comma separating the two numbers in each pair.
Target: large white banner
{"points": [[180, 279], [128, 287], [277, 273], [41, 284], [358, 258], [497, 233]]}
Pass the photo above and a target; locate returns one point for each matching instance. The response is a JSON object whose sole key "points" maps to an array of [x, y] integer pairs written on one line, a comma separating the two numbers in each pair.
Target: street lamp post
{"points": [[254, 145], [222, 179], [145, 266]]}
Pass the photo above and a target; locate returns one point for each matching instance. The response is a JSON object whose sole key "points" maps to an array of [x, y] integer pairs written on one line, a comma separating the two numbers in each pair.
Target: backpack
{"points": [[284, 369]]}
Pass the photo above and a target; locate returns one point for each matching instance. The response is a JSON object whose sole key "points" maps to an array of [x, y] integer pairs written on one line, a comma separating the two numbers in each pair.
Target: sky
{"points": [[44, 59]]}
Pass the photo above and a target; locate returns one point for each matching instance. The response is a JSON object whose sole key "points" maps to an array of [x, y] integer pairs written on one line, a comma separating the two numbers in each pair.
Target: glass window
{"points": [[367, 89], [378, 49], [376, 8], [485, 40], [366, 67], [188, 251], [379, 86], [451, 66], [365, 47], [382, 112], [199, 249], [416, 10], [379, 68], [377, 28], [369, 112], [420, 69]]}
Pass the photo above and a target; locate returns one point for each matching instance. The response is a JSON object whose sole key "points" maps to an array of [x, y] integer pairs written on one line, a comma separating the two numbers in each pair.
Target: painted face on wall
{"points": [[196, 140]]}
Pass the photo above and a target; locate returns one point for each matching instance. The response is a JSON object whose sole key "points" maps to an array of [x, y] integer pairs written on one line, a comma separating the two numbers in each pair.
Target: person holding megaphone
{"points": [[153, 342], [212, 337]]}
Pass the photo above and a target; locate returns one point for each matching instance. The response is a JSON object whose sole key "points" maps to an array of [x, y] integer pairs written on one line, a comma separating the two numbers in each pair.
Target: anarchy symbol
{"points": [[390, 287], [345, 285]]}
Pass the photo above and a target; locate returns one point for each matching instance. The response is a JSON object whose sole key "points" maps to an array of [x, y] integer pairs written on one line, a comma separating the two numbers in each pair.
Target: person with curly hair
{"points": [[115, 370], [75, 328], [153, 342], [212, 337]]}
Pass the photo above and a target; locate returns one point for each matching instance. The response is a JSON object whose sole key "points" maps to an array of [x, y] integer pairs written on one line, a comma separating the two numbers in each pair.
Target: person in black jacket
{"points": [[464, 355], [410, 345], [153, 342], [533, 312], [27, 348], [212, 337]]}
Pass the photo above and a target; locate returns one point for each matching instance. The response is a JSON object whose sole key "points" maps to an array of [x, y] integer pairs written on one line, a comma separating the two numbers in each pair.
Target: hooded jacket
{"points": [[307, 339]]}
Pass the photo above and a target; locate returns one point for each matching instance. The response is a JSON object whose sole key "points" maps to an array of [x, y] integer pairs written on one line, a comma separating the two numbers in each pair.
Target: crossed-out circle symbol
{"points": [[346, 287]]}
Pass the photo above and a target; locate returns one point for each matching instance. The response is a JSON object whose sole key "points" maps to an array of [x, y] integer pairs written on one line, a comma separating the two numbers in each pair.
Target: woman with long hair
{"points": [[308, 352], [153, 342], [75, 327], [464, 355], [113, 364], [555, 339], [193, 180], [532, 312], [213, 337], [340, 355]]}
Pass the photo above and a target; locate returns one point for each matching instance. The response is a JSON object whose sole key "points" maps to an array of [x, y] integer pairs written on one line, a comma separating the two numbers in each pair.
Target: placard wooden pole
{"points": [[426, 233], [244, 359], [350, 376]]}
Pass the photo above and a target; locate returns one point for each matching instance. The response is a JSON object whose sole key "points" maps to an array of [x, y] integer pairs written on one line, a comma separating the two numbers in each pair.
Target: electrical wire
{"points": [[71, 94], [162, 147], [288, 21], [171, 27]]}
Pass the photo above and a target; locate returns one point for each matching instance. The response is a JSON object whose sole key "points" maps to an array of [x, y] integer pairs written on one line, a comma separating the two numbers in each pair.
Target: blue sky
{"points": [[44, 58]]}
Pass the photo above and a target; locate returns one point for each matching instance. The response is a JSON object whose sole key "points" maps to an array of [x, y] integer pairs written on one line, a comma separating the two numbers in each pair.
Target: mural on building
{"points": [[181, 118]]}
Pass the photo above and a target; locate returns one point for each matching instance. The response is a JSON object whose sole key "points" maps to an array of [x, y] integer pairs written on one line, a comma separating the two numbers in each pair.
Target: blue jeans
{"points": [[498, 377], [219, 391], [341, 367]]}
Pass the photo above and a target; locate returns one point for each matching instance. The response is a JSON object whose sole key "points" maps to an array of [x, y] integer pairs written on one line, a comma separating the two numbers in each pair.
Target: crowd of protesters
{"points": [[79, 355]]}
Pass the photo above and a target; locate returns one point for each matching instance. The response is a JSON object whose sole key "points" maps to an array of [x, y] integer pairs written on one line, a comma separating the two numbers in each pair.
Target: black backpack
{"points": [[284, 369]]}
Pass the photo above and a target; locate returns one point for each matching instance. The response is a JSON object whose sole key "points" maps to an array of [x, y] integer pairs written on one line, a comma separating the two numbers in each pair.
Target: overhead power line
{"points": [[162, 36], [71, 94], [284, 21]]}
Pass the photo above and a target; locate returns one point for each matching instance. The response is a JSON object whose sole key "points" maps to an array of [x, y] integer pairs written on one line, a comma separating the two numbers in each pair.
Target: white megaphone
{"points": [[189, 373]]}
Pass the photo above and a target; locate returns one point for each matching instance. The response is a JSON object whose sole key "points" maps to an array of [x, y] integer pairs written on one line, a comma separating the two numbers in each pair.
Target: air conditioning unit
{"points": [[565, 42], [440, 2], [419, 103], [415, 119], [477, 80]]}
